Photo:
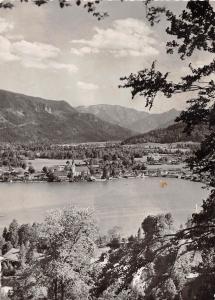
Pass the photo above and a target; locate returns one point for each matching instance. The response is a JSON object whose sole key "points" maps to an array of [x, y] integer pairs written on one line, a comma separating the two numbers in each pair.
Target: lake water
{"points": [[123, 202]]}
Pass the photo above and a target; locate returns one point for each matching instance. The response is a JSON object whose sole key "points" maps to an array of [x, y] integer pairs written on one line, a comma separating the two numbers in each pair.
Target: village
{"points": [[152, 164]]}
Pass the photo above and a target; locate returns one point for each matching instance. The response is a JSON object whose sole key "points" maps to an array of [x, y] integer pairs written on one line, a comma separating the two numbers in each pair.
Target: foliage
{"points": [[31, 169], [171, 134], [6, 247], [62, 268], [90, 6], [155, 266], [194, 31], [12, 234], [25, 234], [152, 253]]}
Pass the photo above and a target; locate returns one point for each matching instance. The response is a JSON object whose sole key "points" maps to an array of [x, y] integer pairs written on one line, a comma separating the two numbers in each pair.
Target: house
{"points": [[59, 168], [61, 174], [82, 171], [40, 176], [6, 291], [12, 255], [9, 262], [80, 162]]}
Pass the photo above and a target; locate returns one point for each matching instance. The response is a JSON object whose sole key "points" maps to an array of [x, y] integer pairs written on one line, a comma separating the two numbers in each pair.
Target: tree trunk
{"points": [[62, 291], [55, 289]]}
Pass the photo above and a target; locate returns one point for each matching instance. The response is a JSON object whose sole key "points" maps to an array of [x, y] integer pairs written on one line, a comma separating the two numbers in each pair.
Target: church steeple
{"points": [[73, 170]]}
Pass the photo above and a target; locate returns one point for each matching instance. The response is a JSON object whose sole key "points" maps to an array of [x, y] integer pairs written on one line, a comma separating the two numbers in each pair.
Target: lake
{"points": [[122, 202]]}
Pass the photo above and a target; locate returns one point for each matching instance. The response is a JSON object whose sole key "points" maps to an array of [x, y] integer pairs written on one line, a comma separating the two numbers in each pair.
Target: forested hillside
{"points": [[171, 134]]}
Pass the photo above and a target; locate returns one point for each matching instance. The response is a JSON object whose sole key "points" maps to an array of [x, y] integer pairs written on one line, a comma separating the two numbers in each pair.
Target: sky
{"points": [[67, 54]]}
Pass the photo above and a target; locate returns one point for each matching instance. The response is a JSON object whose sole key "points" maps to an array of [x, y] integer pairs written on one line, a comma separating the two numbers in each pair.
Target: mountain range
{"points": [[132, 119], [32, 119], [26, 119]]}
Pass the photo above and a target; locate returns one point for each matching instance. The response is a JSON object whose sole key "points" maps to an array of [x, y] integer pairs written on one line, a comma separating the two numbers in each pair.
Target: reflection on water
{"points": [[118, 202]]}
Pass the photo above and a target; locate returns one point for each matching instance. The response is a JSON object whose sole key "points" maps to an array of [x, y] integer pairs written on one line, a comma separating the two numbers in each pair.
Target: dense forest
{"points": [[172, 134]]}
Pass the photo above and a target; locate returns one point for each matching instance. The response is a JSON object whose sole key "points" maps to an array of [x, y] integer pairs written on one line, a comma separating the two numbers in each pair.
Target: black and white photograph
{"points": [[107, 150]]}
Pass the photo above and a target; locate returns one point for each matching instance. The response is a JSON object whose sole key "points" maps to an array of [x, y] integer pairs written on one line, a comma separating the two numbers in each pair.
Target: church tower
{"points": [[73, 170]]}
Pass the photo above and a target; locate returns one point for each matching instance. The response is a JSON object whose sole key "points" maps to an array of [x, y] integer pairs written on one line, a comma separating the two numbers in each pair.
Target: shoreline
{"points": [[162, 178]]}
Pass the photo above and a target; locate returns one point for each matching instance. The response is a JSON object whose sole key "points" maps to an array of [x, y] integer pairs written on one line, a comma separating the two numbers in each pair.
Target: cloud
{"points": [[40, 56], [35, 55], [38, 51], [44, 65], [87, 86], [14, 36], [84, 50], [203, 60], [5, 26], [126, 37], [6, 54], [61, 66]]}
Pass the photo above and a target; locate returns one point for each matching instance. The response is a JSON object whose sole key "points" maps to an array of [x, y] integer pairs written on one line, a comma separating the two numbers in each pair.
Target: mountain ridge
{"points": [[171, 134], [112, 113], [130, 118], [25, 118]]}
